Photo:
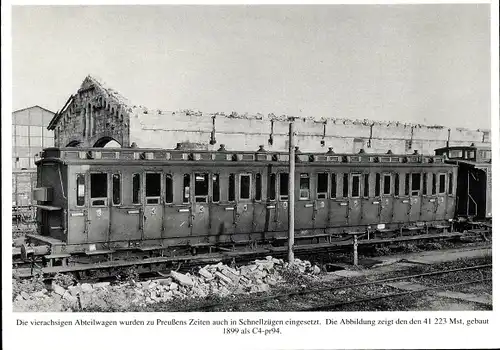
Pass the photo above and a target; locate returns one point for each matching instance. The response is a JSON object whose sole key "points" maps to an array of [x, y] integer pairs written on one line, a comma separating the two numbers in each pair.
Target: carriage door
{"points": [[304, 213], [320, 214], [388, 193], [415, 196], [271, 210], [177, 212], [245, 207], [355, 200], [201, 209], [282, 205], [77, 213], [338, 209], [402, 201], [428, 200], [98, 217], [441, 197], [153, 208]]}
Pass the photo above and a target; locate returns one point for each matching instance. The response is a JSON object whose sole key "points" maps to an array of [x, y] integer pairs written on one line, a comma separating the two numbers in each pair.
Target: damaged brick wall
{"points": [[91, 117]]}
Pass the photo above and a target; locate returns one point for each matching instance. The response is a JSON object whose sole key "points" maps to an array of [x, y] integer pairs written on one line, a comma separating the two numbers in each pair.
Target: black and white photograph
{"points": [[244, 158]]}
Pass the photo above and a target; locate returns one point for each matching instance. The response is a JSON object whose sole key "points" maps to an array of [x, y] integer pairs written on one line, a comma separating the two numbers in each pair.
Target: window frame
{"points": [[366, 185], [258, 176], [382, 185], [165, 176], [351, 185], [434, 184], [183, 189], [207, 196], [377, 191], [139, 195], [283, 198], [146, 197], [440, 174], [233, 192], [92, 199], [272, 190], [419, 191], [345, 185], [425, 183], [396, 184], [84, 189], [324, 195], [119, 173], [451, 189], [250, 188], [333, 193], [211, 184], [308, 187]]}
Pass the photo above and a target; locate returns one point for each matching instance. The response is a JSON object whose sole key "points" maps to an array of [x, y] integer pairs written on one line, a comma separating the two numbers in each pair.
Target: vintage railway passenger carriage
{"points": [[98, 201], [473, 179]]}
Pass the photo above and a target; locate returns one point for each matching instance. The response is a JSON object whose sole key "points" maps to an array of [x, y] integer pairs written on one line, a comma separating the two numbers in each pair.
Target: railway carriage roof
{"points": [[176, 156]]}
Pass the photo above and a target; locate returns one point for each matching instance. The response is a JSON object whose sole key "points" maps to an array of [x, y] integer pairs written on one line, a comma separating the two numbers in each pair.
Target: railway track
{"points": [[326, 292], [89, 271]]}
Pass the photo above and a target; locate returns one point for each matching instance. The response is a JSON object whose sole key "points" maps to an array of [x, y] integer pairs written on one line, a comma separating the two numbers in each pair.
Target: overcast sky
{"points": [[426, 64]]}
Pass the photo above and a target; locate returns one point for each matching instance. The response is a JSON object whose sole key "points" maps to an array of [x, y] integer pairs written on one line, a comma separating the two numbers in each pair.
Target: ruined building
{"points": [[96, 114]]}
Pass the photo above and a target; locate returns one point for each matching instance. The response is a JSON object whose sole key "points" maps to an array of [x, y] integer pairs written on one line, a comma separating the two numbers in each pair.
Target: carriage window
{"points": [[283, 186], [472, 154], [136, 188], [186, 188], [245, 185], [272, 187], [304, 186], [322, 185], [232, 188], [377, 185], [442, 183], [450, 184], [153, 188], [215, 188], [99, 189], [258, 187], [355, 185], [396, 185], [345, 186], [116, 189], [80, 190], [424, 185], [456, 153], [169, 189], [407, 184], [201, 188], [387, 184], [415, 184], [333, 186], [366, 188], [434, 184]]}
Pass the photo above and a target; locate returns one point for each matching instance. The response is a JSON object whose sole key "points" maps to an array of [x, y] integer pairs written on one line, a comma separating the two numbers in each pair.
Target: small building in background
{"points": [[30, 135]]}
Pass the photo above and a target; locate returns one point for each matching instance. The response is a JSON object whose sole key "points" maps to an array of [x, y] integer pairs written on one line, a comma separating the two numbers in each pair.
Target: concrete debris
{"points": [[219, 279], [184, 280], [58, 289]]}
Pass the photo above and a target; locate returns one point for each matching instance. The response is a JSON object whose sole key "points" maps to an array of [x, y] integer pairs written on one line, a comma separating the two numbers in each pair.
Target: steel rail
{"points": [[326, 307], [326, 289]]}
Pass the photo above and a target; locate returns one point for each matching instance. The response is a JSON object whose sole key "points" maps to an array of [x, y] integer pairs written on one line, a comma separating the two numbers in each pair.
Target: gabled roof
{"points": [[35, 106], [96, 83]]}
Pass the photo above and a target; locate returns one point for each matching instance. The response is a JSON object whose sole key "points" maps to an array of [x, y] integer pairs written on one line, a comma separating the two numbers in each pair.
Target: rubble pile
{"points": [[219, 279]]}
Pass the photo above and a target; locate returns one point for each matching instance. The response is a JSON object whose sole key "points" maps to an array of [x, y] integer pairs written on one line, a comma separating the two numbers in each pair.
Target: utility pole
{"points": [[291, 191]]}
